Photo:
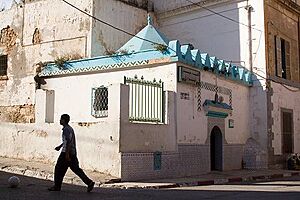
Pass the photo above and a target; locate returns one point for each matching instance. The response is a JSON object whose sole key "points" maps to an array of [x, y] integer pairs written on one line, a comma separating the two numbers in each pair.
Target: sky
{"points": [[6, 4]]}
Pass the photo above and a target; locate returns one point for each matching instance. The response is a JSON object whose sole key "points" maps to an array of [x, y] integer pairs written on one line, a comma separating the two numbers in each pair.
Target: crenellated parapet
{"points": [[203, 61], [150, 46]]}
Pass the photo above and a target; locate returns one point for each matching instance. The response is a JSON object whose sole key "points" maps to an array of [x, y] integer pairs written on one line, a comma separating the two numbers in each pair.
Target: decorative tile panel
{"points": [[219, 89], [93, 69]]}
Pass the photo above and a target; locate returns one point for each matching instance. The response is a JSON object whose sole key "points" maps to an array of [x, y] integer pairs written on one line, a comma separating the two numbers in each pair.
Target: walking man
{"points": [[68, 157]]}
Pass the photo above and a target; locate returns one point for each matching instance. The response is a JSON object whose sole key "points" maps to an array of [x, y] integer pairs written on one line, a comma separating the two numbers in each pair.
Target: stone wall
{"points": [[17, 114]]}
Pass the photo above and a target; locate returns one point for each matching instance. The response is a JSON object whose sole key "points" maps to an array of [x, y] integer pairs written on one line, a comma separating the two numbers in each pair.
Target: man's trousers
{"points": [[62, 166]]}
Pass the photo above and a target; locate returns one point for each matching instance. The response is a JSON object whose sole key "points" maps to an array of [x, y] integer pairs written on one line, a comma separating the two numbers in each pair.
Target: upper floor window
{"points": [[3, 65], [282, 58]]}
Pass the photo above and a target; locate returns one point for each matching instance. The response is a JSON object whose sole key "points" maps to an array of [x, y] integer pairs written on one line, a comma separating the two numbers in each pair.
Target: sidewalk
{"points": [[45, 171]]}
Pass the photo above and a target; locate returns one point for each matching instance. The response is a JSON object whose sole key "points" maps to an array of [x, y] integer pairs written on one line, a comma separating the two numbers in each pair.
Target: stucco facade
{"points": [[200, 94], [207, 113], [244, 32], [36, 32], [231, 40]]}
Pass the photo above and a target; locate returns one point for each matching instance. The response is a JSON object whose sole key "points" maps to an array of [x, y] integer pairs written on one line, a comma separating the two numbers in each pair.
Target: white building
{"points": [[243, 32], [152, 110], [157, 107], [35, 31]]}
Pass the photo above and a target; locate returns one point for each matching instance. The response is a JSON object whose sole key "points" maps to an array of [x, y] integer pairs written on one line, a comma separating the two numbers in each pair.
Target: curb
{"points": [[235, 180], [206, 182]]}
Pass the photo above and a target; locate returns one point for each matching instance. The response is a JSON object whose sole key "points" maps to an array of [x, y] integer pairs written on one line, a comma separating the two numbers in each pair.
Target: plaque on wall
{"points": [[188, 75]]}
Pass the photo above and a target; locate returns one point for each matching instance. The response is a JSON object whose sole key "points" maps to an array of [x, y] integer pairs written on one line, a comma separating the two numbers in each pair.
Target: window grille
{"points": [[100, 102], [146, 100]]}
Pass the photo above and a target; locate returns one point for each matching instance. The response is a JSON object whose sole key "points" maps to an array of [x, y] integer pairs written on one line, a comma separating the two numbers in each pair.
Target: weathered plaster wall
{"points": [[217, 33], [194, 127], [228, 40], [96, 151], [163, 6], [218, 36], [151, 137], [282, 98], [41, 31], [17, 114], [192, 124], [137, 3], [122, 15], [146, 137], [97, 143], [34, 32], [66, 87]]}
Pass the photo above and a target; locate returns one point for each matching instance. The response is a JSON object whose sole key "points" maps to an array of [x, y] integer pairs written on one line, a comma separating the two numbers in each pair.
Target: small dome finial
{"points": [[149, 19]]}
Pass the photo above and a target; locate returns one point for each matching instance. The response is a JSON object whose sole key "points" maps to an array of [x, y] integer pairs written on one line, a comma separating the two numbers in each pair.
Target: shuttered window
{"points": [[282, 58], [287, 132], [3, 65]]}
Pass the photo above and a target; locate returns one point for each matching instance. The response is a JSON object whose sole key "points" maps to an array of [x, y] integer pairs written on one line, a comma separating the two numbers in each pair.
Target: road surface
{"points": [[35, 189]]}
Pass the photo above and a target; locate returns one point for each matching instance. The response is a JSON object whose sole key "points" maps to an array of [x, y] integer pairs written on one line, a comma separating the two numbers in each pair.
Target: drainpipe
{"points": [[250, 10]]}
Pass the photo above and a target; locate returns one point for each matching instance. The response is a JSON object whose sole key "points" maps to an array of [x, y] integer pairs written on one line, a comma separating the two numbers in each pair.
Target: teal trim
{"points": [[217, 114], [217, 104], [140, 52], [149, 33]]}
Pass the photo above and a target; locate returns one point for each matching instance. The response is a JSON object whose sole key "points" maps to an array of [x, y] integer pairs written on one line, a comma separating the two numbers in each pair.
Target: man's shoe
{"points": [[54, 188], [90, 186]]}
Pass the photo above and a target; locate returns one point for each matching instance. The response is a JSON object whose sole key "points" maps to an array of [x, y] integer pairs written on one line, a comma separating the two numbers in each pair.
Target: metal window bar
{"points": [[100, 102], [146, 100]]}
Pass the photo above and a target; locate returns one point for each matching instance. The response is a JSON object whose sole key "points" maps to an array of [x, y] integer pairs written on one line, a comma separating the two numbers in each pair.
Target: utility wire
{"points": [[228, 18], [204, 16], [112, 26], [128, 33], [224, 16], [270, 79]]}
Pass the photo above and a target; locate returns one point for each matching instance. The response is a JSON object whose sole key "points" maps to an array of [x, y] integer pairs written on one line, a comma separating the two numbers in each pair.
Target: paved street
{"points": [[35, 189]]}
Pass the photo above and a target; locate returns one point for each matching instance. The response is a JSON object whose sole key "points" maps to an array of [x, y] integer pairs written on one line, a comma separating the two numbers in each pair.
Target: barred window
{"points": [[100, 102], [3, 65]]}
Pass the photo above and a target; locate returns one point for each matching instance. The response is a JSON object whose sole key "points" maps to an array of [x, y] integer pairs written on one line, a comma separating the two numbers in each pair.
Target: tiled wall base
{"points": [[254, 156], [190, 160], [232, 156]]}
